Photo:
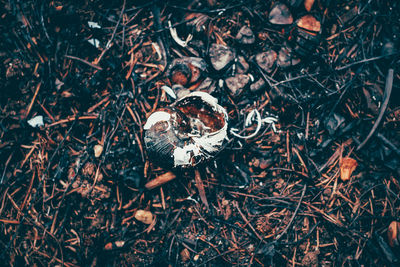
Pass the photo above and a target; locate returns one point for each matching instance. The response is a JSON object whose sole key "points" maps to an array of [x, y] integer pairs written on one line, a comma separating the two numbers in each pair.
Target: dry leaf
{"points": [[393, 234], [144, 216], [347, 166], [309, 23]]}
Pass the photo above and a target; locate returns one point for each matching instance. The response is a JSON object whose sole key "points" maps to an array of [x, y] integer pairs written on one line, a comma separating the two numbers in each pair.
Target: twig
{"points": [[246, 221], [386, 97], [294, 214], [364, 61], [160, 180], [84, 61], [33, 99], [108, 45], [388, 143], [69, 119], [200, 187]]}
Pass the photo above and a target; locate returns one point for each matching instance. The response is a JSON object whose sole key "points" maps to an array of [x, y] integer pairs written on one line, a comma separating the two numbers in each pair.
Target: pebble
{"points": [[144, 216], [258, 85], [221, 56], [286, 58], [266, 60], [245, 36], [280, 15], [241, 65], [237, 84]]}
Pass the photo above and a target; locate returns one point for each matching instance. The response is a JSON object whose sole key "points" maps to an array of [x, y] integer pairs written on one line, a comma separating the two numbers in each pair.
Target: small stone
{"points": [[258, 85], [237, 83], [98, 149], [286, 58], [144, 216], [245, 36], [266, 60], [280, 15], [221, 56], [241, 65]]}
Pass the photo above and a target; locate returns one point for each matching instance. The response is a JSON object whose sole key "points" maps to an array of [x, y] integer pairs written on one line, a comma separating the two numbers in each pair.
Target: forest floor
{"points": [[309, 178]]}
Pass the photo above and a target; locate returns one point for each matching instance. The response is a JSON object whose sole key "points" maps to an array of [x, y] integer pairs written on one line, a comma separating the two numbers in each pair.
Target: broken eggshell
{"points": [[187, 133]]}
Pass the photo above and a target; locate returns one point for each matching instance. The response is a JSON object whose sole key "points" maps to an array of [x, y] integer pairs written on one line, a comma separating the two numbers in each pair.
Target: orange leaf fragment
{"points": [[309, 23], [393, 234], [347, 166], [308, 4]]}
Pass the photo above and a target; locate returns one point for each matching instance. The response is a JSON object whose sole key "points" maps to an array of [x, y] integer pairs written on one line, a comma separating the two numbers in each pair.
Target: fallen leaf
{"points": [[347, 166]]}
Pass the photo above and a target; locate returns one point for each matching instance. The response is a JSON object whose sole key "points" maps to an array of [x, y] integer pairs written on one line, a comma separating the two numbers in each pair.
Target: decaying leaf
{"points": [[347, 166]]}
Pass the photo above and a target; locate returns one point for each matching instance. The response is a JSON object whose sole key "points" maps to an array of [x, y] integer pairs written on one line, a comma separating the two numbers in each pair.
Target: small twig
{"points": [[388, 143], [386, 97], [108, 45], [73, 118], [200, 187], [33, 99], [294, 214], [85, 61], [160, 180], [246, 221], [364, 61]]}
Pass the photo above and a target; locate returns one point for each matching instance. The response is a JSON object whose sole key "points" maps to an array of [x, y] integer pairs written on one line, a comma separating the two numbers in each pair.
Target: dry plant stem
{"points": [[85, 61], [388, 91], [247, 221], [294, 214], [200, 187], [160, 180], [388, 143], [33, 99]]}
